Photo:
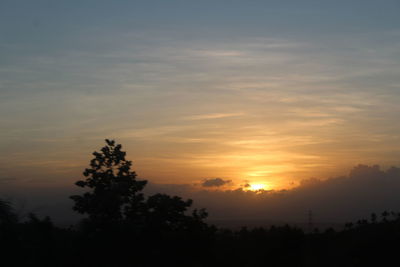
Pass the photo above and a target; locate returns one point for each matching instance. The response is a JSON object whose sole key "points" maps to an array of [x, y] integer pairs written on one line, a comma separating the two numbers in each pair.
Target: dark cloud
{"points": [[364, 190], [246, 184], [215, 182]]}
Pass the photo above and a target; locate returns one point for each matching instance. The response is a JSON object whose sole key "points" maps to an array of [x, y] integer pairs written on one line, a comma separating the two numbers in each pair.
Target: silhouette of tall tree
{"points": [[114, 193]]}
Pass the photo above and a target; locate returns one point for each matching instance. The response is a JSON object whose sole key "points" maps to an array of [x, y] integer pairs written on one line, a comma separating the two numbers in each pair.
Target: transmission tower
{"points": [[310, 221]]}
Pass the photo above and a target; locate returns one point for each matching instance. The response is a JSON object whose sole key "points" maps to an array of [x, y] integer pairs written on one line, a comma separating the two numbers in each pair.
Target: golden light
{"points": [[257, 187]]}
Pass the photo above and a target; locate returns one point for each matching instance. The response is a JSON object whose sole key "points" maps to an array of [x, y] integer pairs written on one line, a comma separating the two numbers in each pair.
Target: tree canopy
{"points": [[114, 196], [114, 192]]}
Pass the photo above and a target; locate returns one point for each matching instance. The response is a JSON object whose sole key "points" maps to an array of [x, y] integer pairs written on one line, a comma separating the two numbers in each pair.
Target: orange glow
{"points": [[257, 187]]}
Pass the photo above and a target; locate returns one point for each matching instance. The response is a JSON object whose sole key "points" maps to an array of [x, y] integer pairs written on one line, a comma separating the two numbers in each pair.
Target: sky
{"points": [[250, 92]]}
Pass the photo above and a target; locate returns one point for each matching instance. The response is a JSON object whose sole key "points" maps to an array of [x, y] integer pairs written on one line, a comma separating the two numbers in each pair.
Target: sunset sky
{"points": [[268, 92]]}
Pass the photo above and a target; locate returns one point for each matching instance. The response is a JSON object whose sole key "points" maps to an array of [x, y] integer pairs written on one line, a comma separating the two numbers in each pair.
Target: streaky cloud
{"points": [[212, 116]]}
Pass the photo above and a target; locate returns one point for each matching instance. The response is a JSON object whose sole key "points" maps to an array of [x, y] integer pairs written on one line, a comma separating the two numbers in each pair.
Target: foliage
{"points": [[114, 192], [37, 242], [164, 212], [7, 214], [114, 197]]}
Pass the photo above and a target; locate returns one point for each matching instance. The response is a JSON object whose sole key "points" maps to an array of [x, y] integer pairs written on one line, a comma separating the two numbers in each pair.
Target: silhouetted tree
{"points": [[7, 214], [168, 213], [385, 215], [114, 193], [373, 218]]}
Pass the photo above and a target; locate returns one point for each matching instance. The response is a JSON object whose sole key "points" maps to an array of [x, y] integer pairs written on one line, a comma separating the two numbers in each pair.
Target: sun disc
{"points": [[256, 187]]}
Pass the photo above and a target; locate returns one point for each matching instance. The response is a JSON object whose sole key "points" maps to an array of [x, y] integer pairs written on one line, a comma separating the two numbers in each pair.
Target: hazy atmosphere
{"points": [[254, 109]]}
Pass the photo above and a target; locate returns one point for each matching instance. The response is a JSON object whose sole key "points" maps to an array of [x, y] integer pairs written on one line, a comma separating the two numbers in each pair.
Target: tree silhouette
{"points": [[113, 192], [114, 199], [168, 213], [7, 214]]}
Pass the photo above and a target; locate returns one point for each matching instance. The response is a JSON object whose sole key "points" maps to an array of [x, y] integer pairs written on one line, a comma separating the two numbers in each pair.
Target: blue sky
{"points": [[266, 91]]}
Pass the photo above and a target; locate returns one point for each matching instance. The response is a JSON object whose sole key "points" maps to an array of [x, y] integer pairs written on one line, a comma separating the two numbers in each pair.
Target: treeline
{"points": [[37, 242], [125, 228]]}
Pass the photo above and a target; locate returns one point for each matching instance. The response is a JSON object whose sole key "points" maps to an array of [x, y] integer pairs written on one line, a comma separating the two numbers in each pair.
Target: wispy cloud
{"points": [[212, 116], [205, 106]]}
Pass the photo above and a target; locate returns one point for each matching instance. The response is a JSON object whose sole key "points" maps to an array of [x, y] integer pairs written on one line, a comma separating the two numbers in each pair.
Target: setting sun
{"points": [[256, 187]]}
